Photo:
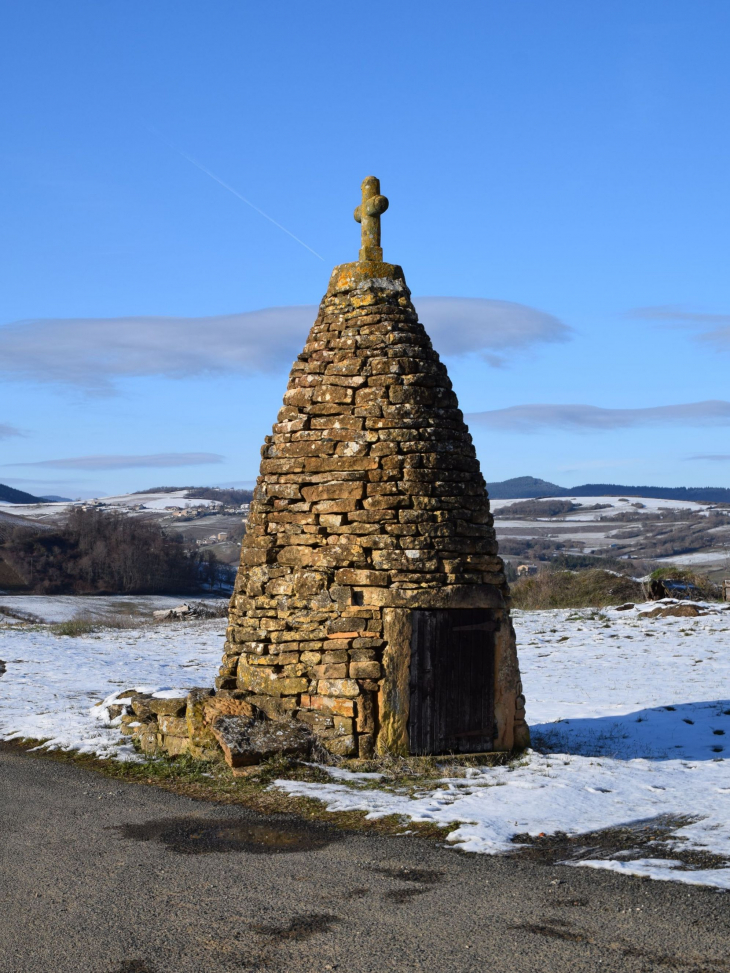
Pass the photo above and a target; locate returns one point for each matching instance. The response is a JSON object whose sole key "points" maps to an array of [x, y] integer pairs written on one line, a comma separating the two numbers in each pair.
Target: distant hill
{"points": [[530, 487], [52, 498], [524, 488], [223, 494], [701, 494], [9, 495]]}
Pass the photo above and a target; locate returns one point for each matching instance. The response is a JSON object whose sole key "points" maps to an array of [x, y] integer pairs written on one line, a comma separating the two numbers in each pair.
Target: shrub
{"points": [[568, 589], [706, 590], [74, 627]]}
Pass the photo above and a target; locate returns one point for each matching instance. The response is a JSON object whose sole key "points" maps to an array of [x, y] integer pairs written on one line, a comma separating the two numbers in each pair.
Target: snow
{"points": [[658, 868], [65, 608], [704, 558], [630, 718], [650, 505], [53, 684], [123, 501]]}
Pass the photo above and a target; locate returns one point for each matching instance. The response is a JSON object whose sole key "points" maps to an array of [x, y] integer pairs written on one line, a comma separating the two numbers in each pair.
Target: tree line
{"points": [[103, 552]]}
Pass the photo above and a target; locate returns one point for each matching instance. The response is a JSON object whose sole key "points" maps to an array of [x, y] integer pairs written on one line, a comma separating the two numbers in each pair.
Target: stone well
{"points": [[370, 602]]}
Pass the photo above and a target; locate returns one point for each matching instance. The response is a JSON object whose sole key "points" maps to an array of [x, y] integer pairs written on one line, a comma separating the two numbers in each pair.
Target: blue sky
{"points": [[557, 176]]}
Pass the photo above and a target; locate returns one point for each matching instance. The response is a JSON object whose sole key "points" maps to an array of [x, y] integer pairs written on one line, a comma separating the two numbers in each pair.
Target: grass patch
{"points": [[575, 589], [86, 624]]}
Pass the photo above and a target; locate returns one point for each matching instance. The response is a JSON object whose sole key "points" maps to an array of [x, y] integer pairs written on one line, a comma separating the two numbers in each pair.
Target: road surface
{"points": [[102, 877]]}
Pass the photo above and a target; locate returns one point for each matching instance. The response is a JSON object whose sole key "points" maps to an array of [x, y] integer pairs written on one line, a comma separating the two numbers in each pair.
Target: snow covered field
{"points": [[65, 608], [52, 682], [630, 718]]}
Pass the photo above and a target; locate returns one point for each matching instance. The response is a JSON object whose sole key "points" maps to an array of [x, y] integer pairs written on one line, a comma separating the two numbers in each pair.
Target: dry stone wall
{"points": [[370, 499]]}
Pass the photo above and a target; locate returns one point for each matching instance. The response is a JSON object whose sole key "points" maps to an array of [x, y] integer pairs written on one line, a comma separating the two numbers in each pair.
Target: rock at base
{"points": [[245, 741]]}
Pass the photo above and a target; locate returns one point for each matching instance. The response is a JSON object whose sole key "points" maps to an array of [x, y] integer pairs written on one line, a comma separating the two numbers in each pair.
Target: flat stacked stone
{"points": [[369, 499]]}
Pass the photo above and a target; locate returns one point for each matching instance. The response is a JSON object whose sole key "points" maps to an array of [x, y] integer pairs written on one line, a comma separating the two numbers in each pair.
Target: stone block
{"points": [[287, 658], [362, 655], [376, 517], [175, 745], [342, 746], [335, 670], [365, 714], [347, 625], [354, 576], [168, 707], [227, 706], [335, 649], [365, 745], [225, 682], [342, 707], [141, 706], [342, 462], [341, 423], [365, 670], [296, 556], [298, 396], [311, 658], [319, 722], [367, 643], [198, 732], [275, 707], [338, 687], [343, 725], [332, 394], [332, 520], [174, 725], [287, 491], [287, 465], [335, 490], [267, 682], [150, 741], [245, 741]]}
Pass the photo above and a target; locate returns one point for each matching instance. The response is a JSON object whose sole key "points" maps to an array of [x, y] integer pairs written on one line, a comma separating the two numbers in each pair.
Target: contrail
{"points": [[243, 199]]}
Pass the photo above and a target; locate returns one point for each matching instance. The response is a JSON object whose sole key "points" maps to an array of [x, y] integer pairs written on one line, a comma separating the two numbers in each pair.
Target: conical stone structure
{"points": [[370, 601]]}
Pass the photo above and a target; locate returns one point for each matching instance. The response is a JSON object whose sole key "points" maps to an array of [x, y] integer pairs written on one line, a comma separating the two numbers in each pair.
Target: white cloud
{"points": [[718, 335], [128, 462], [463, 325], [713, 457], [584, 418], [6, 432], [94, 352]]}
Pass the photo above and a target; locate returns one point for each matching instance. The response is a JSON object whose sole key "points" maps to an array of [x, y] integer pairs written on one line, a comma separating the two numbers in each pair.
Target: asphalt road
{"points": [[101, 877]]}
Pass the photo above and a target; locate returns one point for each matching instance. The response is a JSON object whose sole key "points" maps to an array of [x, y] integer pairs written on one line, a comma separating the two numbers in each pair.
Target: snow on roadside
{"points": [[53, 683], [633, 717]]}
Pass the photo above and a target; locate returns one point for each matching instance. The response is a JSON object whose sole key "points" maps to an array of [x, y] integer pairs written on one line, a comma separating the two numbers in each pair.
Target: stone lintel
{"points": [[446, 596]]}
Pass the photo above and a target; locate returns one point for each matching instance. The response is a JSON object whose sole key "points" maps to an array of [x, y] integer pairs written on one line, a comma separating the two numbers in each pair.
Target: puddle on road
{"points": [[418, 878], [298, 928], [202, 836]]}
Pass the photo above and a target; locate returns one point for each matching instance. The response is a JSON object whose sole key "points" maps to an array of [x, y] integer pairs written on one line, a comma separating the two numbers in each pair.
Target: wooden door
{"points": [[452, 681]]}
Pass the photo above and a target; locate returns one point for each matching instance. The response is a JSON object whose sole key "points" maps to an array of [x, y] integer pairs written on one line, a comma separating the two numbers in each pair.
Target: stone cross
{"points": [[368, 214]]}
